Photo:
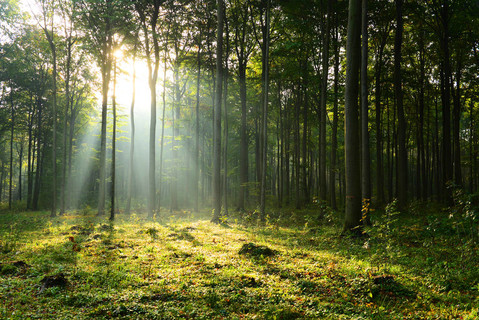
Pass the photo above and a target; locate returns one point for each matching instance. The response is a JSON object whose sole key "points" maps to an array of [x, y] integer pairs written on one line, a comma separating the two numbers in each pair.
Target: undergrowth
{"points": [[419, 265]]}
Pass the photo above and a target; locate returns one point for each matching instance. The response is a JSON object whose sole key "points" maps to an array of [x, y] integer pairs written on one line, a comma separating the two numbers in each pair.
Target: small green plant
{"points": [[152, 232], [463, 216], [9, 242]]}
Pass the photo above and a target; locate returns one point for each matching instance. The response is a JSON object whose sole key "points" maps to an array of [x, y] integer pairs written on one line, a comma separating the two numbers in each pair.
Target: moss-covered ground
{"points": [[295, 266]]}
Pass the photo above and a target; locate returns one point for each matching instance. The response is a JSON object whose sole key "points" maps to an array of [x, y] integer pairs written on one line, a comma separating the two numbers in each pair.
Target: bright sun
{"points": [[124, 89]]}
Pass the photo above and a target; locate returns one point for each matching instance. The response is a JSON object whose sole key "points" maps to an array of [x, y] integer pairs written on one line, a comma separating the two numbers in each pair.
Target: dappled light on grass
{"points": [[191, 268]]}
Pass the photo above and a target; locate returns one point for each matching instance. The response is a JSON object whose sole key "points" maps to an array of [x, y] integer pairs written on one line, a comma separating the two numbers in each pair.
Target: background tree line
{"points": [[247, 103]]}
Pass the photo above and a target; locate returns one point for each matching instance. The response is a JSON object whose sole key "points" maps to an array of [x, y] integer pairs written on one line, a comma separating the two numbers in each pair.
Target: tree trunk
{"points": [[265, 115], [39, 152], [65, 127], [365, 154], [105, 75], [379, 133], [398, 92], [20, 167], [225, 98], [197, 136], [456, 127], [323, 111], [132, 138], [30, 155], [163, 96], [113, 147], [352, 221], [217, 115], [12, 125], [446, 106], [334, 129]]}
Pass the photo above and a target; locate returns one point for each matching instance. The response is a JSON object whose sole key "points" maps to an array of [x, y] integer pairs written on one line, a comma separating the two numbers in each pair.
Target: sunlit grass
{"points": [[187, 267]]}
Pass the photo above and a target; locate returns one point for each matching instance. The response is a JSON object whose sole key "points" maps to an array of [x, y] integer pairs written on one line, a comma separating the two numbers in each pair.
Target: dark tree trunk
{"points": [[334, 129], [398, 92], [217, 115], [323, 111], [265, 114], [113, 148], [446, 105], [197, 135], [352, 221], [132, 138], [12, 125], [456, 127], [365, 154]]}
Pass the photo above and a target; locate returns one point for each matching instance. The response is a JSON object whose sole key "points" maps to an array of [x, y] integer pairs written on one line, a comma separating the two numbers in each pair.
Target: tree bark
{"points": [[132, 138], [217, 115], [113, 147], [265, 115], [323, 111], [365, 153], [398, 92], [352, 221]]}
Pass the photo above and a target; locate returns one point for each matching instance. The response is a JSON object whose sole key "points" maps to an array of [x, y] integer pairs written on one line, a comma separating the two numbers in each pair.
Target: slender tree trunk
{"points": [[20, 167], [30, 155], [296, 156], [334, 129], [304, 145], [197, 137], [265, 115], [113, 147], [132, 138], [421, 153], [12, 125], [65, 126], [352, 222], [446, 105], [152, 150], [365, 153], [243, 137], [217, 115], [323, 111], [39, 152], [225, 98], [106, 73], [49, 37], [401, 130], [163, 96], [379, 133], [456, 127]]}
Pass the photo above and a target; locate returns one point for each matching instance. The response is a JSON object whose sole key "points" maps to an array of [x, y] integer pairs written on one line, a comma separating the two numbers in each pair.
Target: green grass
{"points": [[414, 267]]}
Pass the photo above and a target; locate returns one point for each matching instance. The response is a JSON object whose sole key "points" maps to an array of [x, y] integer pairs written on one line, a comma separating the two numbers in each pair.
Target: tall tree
{"points": [[265, 113], [323, 111], [365, 153], [217, 114], [48, 13], [100, 19], [243, 47], [398, 93], [132, 125], [149, 13], [352, 221], [113, 143]]}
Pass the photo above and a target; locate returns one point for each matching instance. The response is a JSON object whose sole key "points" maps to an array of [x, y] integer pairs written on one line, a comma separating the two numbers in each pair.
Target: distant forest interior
{"points": [[300, 125], [134, 106]]}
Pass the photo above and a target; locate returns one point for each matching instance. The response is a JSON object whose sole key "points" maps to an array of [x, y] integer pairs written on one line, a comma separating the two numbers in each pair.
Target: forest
{"points": [[239, 159]]}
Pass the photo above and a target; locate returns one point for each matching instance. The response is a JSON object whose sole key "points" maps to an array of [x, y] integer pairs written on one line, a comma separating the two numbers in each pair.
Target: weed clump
{"points": [[12, 267], [57, 280], [256, 251]]}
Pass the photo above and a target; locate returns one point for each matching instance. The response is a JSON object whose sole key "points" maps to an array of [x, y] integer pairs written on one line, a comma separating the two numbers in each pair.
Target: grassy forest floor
{"points": [[78, 266]]}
